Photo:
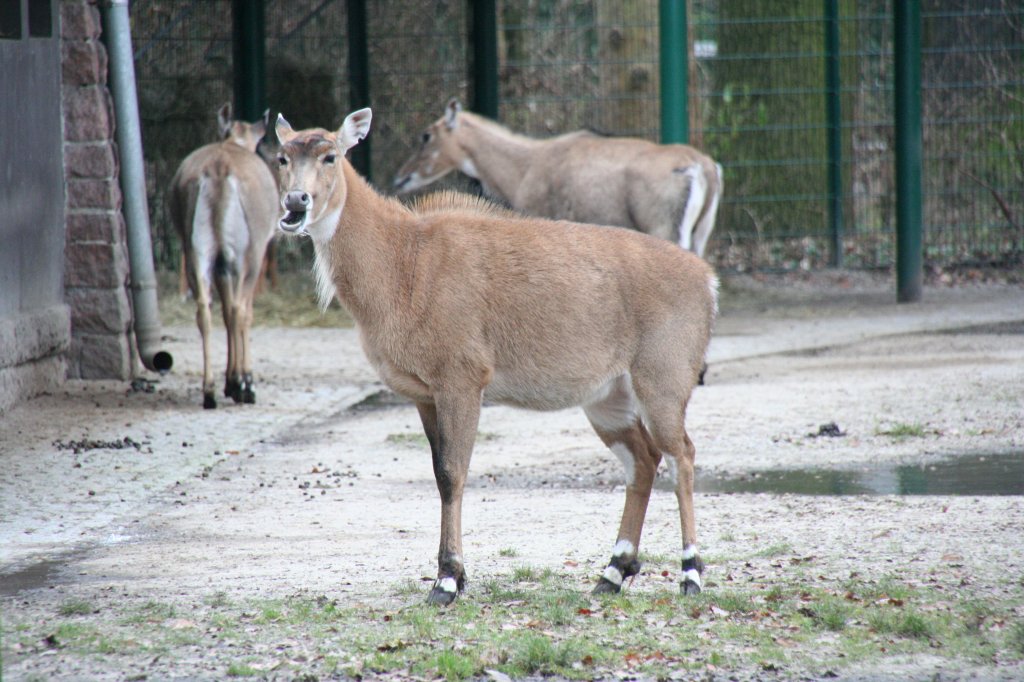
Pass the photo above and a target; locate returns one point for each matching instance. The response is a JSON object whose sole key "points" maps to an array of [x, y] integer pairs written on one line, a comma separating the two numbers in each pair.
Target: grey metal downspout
{"points": [[117, 32]]}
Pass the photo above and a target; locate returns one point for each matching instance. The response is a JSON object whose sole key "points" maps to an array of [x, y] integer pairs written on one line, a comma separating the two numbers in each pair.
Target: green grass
{"points": [[902, 431], [241, 670], [75, 607], [537, 621], [418, 440]]}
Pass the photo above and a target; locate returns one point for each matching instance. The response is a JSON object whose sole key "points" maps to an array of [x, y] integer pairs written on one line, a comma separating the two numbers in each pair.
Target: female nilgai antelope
{"points": [[667, 191], [224, 206], [457, 301]]}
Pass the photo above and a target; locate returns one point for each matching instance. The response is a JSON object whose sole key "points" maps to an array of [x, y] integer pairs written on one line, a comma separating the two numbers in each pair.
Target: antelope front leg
{"points": [[450, 424]]}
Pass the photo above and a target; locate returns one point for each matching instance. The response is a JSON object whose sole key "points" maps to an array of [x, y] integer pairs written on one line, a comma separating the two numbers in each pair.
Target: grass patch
{"points": [[778, 549], [241, 670], [508, 552], [418, 440], [537, 621], [902, 431], [75, 607]]}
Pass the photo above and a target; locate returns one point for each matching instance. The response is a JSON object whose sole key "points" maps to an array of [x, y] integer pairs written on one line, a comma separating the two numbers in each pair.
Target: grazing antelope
{"points": [[667, 191], [458, 301], [224, 205]]}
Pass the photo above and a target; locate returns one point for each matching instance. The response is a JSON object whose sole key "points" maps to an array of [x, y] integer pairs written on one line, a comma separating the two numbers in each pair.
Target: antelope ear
{"points": [[451, 113], [224, 120], [268, 145], [259, 128], [283, 129], [355, 128]]}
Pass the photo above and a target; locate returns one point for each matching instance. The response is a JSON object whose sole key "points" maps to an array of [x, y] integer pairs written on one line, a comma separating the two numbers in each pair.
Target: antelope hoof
{"points": [[209, 402], [605, 586], [444, 591], [247, 390], [233, 389], [688, 587]]}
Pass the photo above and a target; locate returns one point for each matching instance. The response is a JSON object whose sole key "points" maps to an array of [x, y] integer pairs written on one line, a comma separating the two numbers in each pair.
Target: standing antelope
{"points": [[667, 191], [458, 301], [223, 205]]}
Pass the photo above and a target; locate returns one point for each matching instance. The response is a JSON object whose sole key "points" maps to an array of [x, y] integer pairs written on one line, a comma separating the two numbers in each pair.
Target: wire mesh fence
{"points": [[758, 103]]}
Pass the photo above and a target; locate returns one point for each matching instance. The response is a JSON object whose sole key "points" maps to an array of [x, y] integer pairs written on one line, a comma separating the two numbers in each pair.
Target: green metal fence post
{"points": [[833, 114], [907, 33], [247, 51], [358, 76], [674, 71], [484, 67]]}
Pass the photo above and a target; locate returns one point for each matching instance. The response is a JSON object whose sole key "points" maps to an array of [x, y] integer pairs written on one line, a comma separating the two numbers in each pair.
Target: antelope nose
{"points": [[297, 200]]}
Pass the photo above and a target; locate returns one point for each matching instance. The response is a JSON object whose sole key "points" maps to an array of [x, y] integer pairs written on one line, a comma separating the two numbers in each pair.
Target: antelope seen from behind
{"points": [[223, 204], [458, 301], [667, 191]]}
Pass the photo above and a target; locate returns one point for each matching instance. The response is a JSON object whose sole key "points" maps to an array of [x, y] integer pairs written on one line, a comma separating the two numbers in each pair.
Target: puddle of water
{"points": [[1001, 474], [37, 575]]}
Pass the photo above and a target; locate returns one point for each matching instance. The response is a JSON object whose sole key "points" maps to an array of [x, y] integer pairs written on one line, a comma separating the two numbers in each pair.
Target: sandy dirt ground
{"points": [[118, 492]]}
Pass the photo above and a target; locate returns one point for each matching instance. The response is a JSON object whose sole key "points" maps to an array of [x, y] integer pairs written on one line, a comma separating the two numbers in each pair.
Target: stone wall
{"points": [[96, 268]]}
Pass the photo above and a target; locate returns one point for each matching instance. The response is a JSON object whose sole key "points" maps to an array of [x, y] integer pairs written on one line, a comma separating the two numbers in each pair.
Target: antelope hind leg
{"points": [[665, 420], [614, 418]]}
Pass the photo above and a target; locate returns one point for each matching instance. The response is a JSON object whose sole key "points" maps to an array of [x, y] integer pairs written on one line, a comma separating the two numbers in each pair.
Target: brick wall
{"points": [[96, 267]]}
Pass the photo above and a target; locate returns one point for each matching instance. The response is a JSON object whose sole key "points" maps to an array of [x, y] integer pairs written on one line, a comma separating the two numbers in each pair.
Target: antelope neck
{"points": [[500, 156]]}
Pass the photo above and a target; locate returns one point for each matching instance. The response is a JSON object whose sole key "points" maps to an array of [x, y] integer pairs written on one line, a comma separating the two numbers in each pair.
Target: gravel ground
{"points": [[116, 494]]}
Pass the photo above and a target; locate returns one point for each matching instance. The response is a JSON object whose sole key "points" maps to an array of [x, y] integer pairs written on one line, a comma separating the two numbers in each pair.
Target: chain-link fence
{"points": [[759, 104]]}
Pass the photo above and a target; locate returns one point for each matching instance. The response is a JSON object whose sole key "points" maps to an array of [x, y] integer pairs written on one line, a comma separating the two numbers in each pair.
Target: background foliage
{"points": [[757, 104]]}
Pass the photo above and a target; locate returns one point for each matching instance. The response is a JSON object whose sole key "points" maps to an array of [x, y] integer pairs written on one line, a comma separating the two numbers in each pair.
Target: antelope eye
{"points": [[282, 160], [426, 138], [329, 159]]}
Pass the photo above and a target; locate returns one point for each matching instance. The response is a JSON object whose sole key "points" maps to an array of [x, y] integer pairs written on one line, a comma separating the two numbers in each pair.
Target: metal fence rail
{"points": [[795, 101]]}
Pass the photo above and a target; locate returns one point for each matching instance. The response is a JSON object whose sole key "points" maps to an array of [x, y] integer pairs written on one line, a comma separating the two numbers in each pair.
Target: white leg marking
{"points": [[628, 463], [673, 467], [689, 552], [613, 575], [694, 204], [692, 576], [623, 548], [613, 407], [448, 585]]}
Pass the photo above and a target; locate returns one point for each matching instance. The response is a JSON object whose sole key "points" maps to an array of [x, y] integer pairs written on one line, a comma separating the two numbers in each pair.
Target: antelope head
{"points": [[437, 155], [312, 185], [245, 135]]}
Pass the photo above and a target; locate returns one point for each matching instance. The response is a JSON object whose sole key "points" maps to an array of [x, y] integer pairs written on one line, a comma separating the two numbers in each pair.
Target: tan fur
{"points": [[667, 191], [223, 205], [458, 301]]}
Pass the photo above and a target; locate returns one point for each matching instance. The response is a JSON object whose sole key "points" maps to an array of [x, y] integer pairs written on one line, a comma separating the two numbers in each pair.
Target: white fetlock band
{"points": [[448, 585], [692, 576], [623, 548], [613, 575]]}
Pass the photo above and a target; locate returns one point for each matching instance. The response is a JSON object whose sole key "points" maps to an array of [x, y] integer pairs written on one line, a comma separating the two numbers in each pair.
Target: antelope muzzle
{"points": [[297, 205]]}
